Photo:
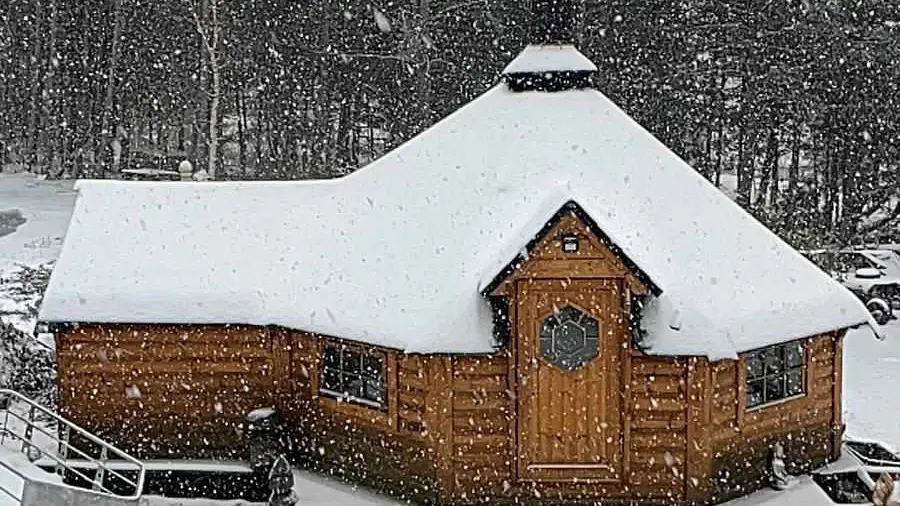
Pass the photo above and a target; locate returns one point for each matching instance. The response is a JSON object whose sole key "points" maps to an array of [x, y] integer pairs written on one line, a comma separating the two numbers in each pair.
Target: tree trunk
{"points": [[240, 103], [36, 90], [108, 122], [794, 170], [744, 173]]}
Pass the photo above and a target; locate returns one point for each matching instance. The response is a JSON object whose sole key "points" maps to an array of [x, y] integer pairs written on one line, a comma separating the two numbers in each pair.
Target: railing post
{"points": [[29, 431], [5, 425], [63, 450], [101, 469]]}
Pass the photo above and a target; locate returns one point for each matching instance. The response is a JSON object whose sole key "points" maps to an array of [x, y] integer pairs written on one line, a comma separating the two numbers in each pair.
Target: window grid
{"points": [[776, 373], [352, 375]]}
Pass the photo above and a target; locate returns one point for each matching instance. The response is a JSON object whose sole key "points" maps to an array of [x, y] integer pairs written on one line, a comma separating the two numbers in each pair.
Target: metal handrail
{"points": [[106, 449], [61, 462], [16, 472]]}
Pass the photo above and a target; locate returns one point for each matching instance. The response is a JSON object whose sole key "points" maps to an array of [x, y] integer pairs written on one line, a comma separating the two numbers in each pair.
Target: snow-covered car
{"points": [[873, 275]]}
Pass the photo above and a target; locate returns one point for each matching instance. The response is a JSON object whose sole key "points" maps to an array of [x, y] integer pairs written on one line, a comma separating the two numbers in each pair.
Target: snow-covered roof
{"points": [[396, 253], [550, 58]]}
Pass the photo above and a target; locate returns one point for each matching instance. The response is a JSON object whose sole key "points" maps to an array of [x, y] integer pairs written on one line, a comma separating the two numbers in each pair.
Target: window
{"points": [[569, 338], [775, 373], [354, 375]]}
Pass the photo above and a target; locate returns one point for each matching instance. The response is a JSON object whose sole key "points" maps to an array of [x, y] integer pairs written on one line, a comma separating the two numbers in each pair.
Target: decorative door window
{"points": [[569, 338]]}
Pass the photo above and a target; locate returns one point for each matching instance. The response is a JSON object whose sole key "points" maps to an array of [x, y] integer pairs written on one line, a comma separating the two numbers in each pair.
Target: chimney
{"points": [[551, 62]]}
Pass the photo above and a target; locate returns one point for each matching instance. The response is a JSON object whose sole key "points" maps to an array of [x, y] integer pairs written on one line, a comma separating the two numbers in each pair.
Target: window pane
{"points": [[352, 362], [374, 391], [373, 366], [754, 365], [774, 361], [332, 357], [794, 355], [774, 388], [795, 382], [331, 380], [754, 393], [353, 385]]}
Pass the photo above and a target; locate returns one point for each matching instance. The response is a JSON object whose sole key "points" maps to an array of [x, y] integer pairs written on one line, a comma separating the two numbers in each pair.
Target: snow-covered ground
{"points": [[871, 367], [46, 207]]}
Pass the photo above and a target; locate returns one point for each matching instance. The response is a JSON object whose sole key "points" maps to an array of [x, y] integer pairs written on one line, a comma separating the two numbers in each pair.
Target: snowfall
{"points": [[871, 367]]}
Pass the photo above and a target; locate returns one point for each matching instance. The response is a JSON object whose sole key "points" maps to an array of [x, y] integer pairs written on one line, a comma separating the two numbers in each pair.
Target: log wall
{"points": [[390, 451], [484, 428], [448, 434], [165, 391], [808, 427]]}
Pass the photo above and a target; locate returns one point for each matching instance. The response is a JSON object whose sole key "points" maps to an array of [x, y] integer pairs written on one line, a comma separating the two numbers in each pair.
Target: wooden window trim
{"points": [[743, 378], [344, 398], [376, 417]]}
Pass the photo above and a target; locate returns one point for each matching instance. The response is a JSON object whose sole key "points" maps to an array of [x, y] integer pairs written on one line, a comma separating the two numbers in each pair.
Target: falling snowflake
{"points": [[382, 21]]}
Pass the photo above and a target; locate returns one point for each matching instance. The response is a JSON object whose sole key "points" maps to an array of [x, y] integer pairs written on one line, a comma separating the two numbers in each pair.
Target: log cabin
{"points": [[533, 301]]}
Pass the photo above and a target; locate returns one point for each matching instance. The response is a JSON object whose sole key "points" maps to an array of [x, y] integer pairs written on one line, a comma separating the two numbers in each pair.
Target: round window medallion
{"points": [[569, 338]]}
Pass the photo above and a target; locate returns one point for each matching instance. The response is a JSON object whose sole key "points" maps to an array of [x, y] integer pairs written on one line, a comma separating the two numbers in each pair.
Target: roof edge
{"points": [[570, 206]]}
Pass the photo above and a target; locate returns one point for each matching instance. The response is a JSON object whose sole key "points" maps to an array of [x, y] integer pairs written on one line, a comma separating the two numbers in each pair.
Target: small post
{"points": [[29, 431], [281, 484], [185, 170], [63, 451], [101, 470], [5, 426]]}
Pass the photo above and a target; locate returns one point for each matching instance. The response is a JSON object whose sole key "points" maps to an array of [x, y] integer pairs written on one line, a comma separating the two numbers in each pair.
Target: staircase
{"points": [[30, 433]]}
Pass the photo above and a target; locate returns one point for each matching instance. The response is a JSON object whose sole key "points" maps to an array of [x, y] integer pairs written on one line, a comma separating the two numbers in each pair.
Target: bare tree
{"points": [[209, 27]]}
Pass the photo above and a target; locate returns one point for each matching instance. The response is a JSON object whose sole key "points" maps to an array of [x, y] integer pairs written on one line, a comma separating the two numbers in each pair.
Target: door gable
{"points": [[571, 246]]}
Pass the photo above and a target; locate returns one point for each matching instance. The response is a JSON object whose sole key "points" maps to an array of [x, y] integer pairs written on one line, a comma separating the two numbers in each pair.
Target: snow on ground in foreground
{"points": [[871, 367], [312, 490]]}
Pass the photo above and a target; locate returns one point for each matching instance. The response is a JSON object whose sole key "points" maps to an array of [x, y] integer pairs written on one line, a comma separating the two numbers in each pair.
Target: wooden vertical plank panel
{"points": [[697, 467], [439, 420], [810, 360], [707, 399], [626, 407], [393, 390], [514, 385], [281, 363], [837, 422], [740, 367], [314, 365]]}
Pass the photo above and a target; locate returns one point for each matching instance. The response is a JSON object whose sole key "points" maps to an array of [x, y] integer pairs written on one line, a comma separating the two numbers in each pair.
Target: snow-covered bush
{"points": [[26, 366]]}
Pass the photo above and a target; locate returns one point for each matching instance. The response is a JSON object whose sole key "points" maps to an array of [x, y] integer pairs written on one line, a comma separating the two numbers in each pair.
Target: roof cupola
{"points": [[551, 62]]}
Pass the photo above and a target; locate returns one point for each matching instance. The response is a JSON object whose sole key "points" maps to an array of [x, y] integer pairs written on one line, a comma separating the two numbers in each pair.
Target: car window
{"points": [[854, 261]]}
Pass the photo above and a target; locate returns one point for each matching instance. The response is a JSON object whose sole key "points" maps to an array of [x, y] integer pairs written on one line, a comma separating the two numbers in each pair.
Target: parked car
{"points": [[873, 275]]}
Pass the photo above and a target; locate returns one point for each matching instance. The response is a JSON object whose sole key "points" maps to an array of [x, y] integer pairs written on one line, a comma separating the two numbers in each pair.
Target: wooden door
{"points": [[571, 336]]}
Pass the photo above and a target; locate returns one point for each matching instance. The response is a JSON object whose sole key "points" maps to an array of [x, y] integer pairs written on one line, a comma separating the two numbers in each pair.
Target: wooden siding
{"points": [[390, 450], [592, 260], [651, 399], [450, 432], [483, 426], [807, 426], [164, 391], [412, 395], [484, 451], [657, 427]]}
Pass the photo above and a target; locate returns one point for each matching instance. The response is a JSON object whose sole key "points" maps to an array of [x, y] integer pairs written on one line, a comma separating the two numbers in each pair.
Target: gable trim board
{"points": [[398, 253]]}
